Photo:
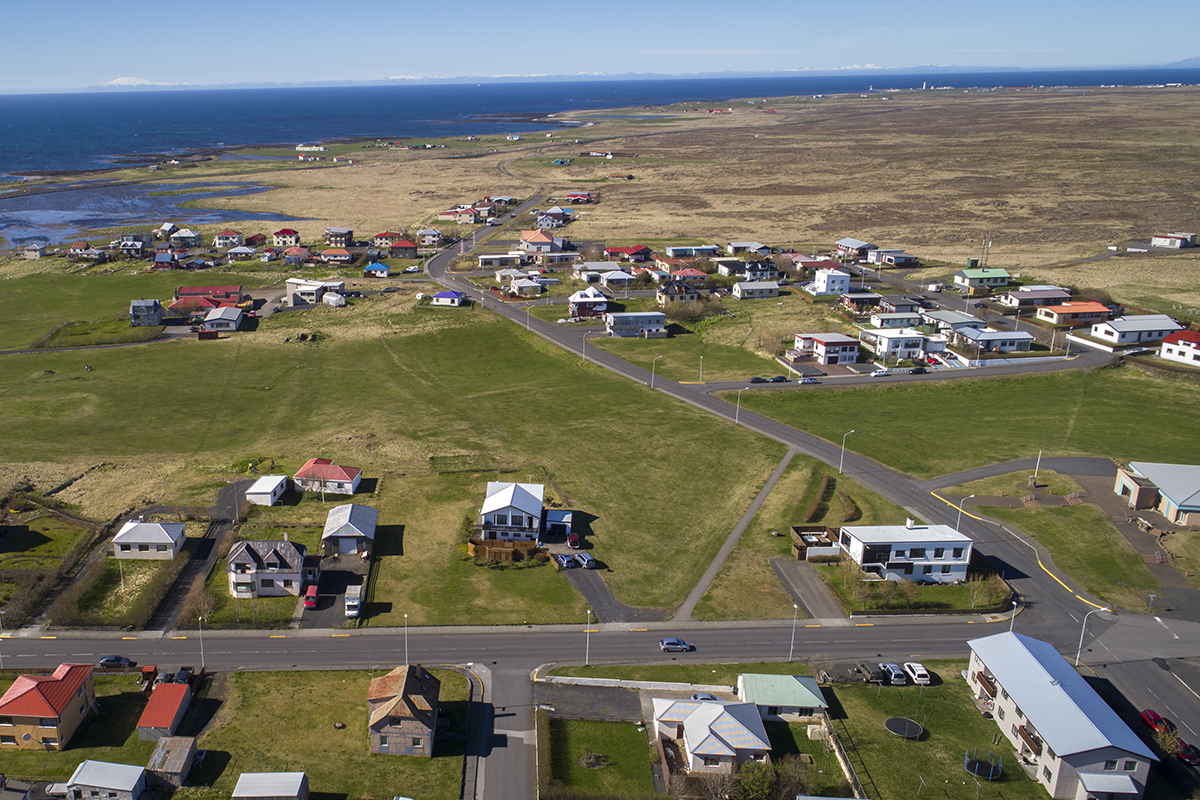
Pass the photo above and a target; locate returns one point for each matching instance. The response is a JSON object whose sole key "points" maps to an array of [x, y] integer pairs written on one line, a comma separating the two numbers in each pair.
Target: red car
{"points": [[1155, 720], [1187, 753], [573, 541]]}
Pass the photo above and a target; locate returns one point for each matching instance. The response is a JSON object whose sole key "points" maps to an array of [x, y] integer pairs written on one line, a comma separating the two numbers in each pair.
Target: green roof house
{"points": [[791, 698], [974, 279]]}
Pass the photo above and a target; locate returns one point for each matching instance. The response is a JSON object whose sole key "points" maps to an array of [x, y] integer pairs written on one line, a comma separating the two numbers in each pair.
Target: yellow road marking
{"points": [[341, 636], [47, 637], [864, 624], [128, 637], [277, 636], [638, 630], [173, 637], [812, 626]]}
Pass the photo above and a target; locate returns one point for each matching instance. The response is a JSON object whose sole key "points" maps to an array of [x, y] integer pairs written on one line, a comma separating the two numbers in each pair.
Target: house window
{"points": [[47, 722], [899, 555], [502, 519], [1050, 752], [1129, 766], [1109, 766], [143, 548], [6, 739], [272, 565], [49, 740], [916, 552], [927, 569], [268, 583], [1046, 773], [946, 569], [908, 569], [162, 548], [417, 743], [243, 587], [1014, 729], [939, 552], [710, 761], [772, 711], [958, 552], [287, 583], [1004, 694], [383, 743], [6, 721], [126, 548], [1000, 713]]}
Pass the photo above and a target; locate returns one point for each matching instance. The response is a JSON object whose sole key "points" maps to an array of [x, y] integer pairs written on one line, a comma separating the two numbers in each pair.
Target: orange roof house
{"points": [[164, 711], [42, 712], [402, 709]]}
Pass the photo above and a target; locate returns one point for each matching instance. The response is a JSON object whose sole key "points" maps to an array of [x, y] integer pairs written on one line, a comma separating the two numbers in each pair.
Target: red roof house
{"points": [[322, 475], [688, 273], [217, 293], [66, 697], [168, 703], [636, 253]]}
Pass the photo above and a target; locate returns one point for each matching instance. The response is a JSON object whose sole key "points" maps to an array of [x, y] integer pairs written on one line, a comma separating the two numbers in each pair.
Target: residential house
{"points": [[755, 290], [270, 254], [676, 290], [94, 255], [267, 490], [164, 711], [525, 287], [633, 254], [228, 238], [1182, 347], [255, 240], [135, 244], [339, 237], [185, 238], [241, 253], [75, 249], [403, 248], [448, 298], [690, 274], [900, 343], [616, 279], [1135, 329], [828, 282], [95, 779], [301, 291], [296, 255], [430, 237], [385, 239], [34, 251], [890, 258], [349, 528], [377, 270], [761, 270], [402, 712], [854, 249], [145, 313], [945, 320], [783, 698], [657, 275], [165, 230], [693, 251], [546, 222], [651, 325], [336, 255], [825, 348], [578, 198], [508, 275], [166, 259], [271, 786], [322, 475], [512, 511], [981, 280], [586, 303], [1172, 490], [221, 294], [1031, 297], [171, 760], [501, 261], [541, 242], [556, 259], [909, 552], [860, 301], [42, 712], [715, 737], [285, 237], [899, 304], [157, 541], [266, 568], [1174, 241], [1074, 314], [988, 340], [733, 248], [882, 320], [223, 319], [1078, 745]]}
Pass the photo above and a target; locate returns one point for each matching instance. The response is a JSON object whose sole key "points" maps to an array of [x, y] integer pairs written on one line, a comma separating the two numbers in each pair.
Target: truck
{"points": [[353, 601]]}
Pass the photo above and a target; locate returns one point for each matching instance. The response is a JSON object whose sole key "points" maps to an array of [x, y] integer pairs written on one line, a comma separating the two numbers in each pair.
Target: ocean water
{"points": [[65, 132]]}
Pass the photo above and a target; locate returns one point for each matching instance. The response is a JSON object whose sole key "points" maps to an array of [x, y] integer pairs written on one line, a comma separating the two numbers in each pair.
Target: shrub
{"points": [[815, 506]]}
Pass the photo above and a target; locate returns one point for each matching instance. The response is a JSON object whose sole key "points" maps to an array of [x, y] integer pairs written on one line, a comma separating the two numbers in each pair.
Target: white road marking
{"points": [[1184, 683]]}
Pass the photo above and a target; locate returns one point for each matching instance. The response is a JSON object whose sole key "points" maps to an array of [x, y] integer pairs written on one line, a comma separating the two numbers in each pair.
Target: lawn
{"points": [[1015, 484], [887, 595], [39, 543], [301, 709], [746, 586], [397, 393], [1086, 546], [1113, 413], [109, 736], [258, 613], [824, 777], [625, 769]]}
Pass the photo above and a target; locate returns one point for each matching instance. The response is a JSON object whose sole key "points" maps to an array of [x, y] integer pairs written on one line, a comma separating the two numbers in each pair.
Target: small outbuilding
{"points": [[172, 760], [223, 319], [271, 786], [267, 490], [164, 711], [349, 529], [104, 779]]}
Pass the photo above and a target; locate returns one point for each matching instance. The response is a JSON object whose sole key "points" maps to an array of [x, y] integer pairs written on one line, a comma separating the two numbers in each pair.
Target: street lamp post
{"points": [[2, 613], [792, 646], [653, 364], [702, 369], [960, 505], [1082, 631], [201, 621], [587, 651], [1151, 608], [842, 460], [406, 639], [1013, 618], [526, 317], [738, 411]]}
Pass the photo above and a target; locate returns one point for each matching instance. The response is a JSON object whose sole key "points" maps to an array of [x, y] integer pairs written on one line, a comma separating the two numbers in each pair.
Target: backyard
{"points": [[608, 757]]}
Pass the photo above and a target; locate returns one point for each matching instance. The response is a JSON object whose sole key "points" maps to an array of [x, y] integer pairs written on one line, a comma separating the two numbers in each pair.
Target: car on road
{"points": [[757, 379], [809, 380], [892, 673], [879, 373], [1186, 753], [115, 662], [573, 541], [411, 270], [918, 371], [567, 561], [673, 645], [779, 379], [585, 560], [706, 697], [1155, 720], [979, 305], [868, 673], [918, 673]]}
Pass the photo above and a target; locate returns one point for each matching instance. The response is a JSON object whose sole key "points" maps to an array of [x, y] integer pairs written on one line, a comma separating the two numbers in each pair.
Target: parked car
{"points": [[892, 673], [879, 373], [868, 673], [779, 379], [310, 596], [673, 645], [573, 541], [705, 696], [411, 270], [184, 675], [1155, 720], [567, 561], [809, 380], [115, 662], [917, 673], [757, 379], [918, 371], [585, 560], [1186, 753], [164, 677]]}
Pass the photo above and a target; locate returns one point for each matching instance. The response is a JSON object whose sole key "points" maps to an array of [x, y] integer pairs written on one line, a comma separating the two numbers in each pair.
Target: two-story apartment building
{"points": [[1080, 748], [909, 552], [339, 237], [900, 343], [978, 280], [826, 348], [648, 324], [42, 712], [1182, 347], [828, 282]]}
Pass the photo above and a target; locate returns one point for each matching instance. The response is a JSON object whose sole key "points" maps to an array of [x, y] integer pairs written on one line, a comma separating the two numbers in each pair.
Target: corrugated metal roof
{"points": [[1100, 782], [782, 690], [106, 775], [44, 695], [525, 497], [164, 704], [1179, 482], [351, 520], [135, 532], [1066, 712], [269, 784]]}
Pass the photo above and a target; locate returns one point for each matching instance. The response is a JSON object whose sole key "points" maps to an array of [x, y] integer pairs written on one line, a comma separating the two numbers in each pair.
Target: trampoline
{"points": [[983, 767], [904, 728]]}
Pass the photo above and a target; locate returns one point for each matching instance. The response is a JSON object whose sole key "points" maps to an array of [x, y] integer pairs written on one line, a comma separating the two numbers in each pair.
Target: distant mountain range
{"points": [[141, 84]]}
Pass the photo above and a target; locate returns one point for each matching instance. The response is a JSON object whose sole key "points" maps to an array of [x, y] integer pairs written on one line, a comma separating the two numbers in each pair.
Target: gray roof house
{"points": [[1078, 744], [149, 540], [349, 528], [266, 568], [104, 779], [1171, 489]]}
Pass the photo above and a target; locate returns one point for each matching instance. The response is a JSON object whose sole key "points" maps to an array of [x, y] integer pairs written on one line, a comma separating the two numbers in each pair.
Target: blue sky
{"points": [[70, 44]]}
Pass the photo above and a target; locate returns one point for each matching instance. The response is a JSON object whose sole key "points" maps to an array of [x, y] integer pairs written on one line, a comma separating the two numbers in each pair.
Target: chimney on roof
{"points": [[908, 523], [285, 534]]}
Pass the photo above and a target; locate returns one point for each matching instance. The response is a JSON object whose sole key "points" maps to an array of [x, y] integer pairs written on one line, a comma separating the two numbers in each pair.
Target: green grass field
{"points": [[1014, 484], [1112, 413], [39, 543], [625, 749], [1086, 546]]}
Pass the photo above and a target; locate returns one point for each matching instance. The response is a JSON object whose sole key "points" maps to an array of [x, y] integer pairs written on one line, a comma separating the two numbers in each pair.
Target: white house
{"points": [[1080, 748], [650, 324], [890, 258], [512, 511], [1031, 296], [974, 279], [1173, 240], [993, 341], [829, 282], [149, 540], [790, 698], [900, 343], [223, 319], [267, 490], [616, 279], [501, 260], [826, 348], [429, 237], [692, 251], [448, 298], [185, 238], [850, 247], [898, 320], [1182, 347], [267, 568], [909, 552], [92, 779], [715, 737], [228, 238], [755, 290], [305, 292], [589, 302], [733, 248], [1136, 329], [349, 528], [944, 320]]}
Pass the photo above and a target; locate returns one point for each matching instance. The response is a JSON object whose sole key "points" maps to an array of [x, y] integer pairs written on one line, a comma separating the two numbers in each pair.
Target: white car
{"points": [[879, 373], [411, 270], [917, 672], [809, 380]]}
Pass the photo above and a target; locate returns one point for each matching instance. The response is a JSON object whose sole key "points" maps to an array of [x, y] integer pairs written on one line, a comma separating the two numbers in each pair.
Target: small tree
{"points": [[977, 589], [861, 592], [907, 592], [887, 590], [717, 785], [849, 572], [755, 781], [792, 776]]}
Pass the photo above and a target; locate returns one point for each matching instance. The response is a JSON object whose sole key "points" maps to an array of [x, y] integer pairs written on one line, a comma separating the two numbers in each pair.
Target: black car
{"points": [[115, 662], [757, 379], [918, 371], [779, 379]]}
